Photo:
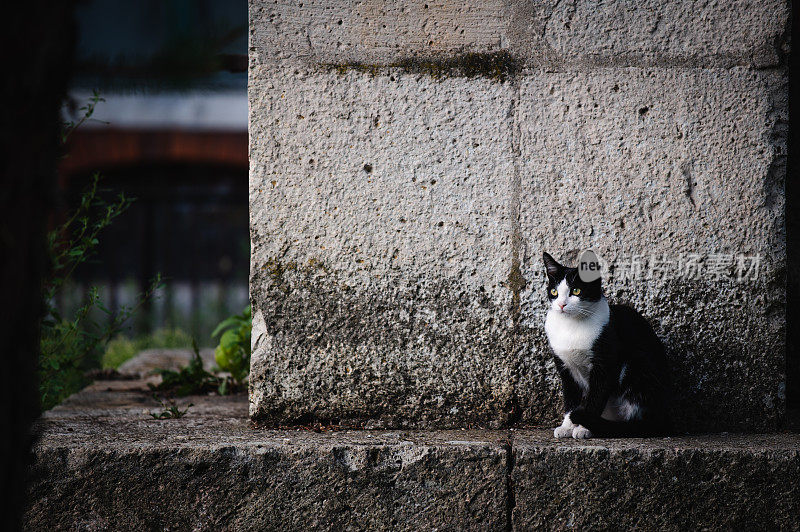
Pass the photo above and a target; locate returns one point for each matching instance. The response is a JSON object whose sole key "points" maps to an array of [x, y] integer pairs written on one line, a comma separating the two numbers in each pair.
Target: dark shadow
{"points": [[793, 232]]}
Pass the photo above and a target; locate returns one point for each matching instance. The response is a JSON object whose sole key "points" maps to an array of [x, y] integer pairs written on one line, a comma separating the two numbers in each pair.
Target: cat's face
{"points": [[567, 293]]}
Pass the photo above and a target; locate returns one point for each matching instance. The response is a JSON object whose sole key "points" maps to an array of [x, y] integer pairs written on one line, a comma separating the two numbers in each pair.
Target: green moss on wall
{"points": [[496, 66]]}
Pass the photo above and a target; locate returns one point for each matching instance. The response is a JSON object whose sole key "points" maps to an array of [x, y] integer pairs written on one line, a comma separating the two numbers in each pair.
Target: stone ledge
{"points": [[101, 462], [709, 482]]}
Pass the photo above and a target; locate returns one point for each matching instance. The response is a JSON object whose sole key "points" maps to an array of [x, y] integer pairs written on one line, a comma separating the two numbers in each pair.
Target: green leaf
{"points": [[228, 322], [229, 339]]}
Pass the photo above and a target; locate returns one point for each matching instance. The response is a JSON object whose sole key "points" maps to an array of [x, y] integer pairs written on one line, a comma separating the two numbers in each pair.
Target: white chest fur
{"points": [[572, 339]]}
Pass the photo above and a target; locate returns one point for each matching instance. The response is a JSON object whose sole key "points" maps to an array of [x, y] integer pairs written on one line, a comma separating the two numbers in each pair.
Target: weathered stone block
{"points": [[102, 463], [580, 34], [380, 244], [666, 163], [711, 482], [650, 33]]}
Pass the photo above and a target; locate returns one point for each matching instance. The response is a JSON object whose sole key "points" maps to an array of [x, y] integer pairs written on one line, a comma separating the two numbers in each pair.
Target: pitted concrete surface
{"points": [[102, 463], [553, 33], [410, 162], [712, 482]]}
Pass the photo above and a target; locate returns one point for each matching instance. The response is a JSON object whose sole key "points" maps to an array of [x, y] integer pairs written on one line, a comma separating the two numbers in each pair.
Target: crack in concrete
{"points": [[511, 503], [516, 281]]}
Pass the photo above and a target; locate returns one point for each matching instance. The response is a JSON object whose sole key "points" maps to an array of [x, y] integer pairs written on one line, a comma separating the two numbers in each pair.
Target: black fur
{"points": [[627, 341]]}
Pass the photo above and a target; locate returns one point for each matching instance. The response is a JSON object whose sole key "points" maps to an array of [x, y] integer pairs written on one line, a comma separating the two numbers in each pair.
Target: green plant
{"points": [[121, 348], [87, 110], [233, 352], [170, 410], [71, 344], [189, 380]]}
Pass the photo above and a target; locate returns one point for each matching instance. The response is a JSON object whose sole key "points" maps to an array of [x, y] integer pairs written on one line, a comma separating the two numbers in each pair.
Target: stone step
{"points": [[102, 462]]}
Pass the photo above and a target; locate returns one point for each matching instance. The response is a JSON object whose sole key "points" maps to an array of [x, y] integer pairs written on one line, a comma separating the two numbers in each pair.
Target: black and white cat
{"points": [[612, 365]]}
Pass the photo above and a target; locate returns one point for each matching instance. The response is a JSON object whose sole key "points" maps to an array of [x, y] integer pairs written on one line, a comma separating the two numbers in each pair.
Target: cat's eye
{"points": [[576, 291], [553, 292]]}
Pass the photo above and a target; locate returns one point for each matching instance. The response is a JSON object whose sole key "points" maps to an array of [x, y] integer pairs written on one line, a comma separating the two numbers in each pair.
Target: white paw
{"points": [[581, 433], [563, 432]]}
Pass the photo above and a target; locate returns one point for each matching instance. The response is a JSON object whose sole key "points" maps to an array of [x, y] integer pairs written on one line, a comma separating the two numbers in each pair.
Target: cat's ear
{"points": [[553, 268]]}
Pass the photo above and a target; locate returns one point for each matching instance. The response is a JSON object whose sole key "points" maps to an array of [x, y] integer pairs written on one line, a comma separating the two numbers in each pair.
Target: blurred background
{"points": [[170, 131]]}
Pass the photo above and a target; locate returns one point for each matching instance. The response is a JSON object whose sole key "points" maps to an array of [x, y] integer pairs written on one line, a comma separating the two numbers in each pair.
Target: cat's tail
{"points": [[637, 428]]}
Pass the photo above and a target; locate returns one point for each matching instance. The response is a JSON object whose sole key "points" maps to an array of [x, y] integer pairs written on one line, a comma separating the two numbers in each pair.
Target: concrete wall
{"points": [[409, 162]]}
